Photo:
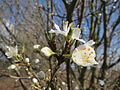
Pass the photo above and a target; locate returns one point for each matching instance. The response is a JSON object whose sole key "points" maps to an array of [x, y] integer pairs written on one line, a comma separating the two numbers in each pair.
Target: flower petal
{"points": [[57, 27], [81, 40], [16, 49], [76, 33], [90, 43], [8, 55], [84, 55], [65, 26], [52, 31], [58, 31]]}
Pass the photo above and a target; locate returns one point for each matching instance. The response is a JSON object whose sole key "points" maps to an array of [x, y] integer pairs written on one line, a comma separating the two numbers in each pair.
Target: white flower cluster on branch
{"points": [[83, 55]]}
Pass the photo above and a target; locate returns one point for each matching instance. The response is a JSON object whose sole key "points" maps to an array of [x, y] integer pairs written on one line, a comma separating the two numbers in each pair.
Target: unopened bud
{"points": [[34, 80], [12, 67], [36, 46], [27, 60], [37, 61]]}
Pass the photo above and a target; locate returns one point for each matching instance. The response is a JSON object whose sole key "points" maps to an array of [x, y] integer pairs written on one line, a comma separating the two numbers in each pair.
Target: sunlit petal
{"points": [[76, 33], [57, 27], [84, 54], [90, 43]]}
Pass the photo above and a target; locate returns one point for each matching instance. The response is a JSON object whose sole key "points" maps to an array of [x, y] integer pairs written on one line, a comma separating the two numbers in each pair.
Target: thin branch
{"points": [[113, 64], [15, 77]]}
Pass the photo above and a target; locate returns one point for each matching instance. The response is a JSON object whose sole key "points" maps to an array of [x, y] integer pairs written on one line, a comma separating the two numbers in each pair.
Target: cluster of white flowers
{"points": [[83, 55], [65, 31]]}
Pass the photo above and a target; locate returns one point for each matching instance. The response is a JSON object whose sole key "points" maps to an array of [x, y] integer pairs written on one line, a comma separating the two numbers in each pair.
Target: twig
{"points": [[15, 77]]}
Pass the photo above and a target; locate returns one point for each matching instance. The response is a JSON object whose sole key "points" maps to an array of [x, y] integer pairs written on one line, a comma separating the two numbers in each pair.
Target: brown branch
{"points": [[104, 66], [69, 9], [80, 18]]}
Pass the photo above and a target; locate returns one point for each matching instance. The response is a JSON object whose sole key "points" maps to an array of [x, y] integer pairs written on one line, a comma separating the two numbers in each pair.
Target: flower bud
{"points": [[36, 46], [27, 60], [34, 80], [12, 66], [47, 51], [37, 61]]}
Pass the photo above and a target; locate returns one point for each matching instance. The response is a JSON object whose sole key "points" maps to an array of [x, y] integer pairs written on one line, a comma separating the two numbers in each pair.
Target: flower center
{"points": [[87, 53]]}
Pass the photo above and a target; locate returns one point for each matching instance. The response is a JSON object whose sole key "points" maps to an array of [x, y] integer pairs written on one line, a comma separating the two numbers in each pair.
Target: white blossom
{"points": [[65, 30], [114, 0], [76, 34], [84, 54], [47, 51], [12, 51]]}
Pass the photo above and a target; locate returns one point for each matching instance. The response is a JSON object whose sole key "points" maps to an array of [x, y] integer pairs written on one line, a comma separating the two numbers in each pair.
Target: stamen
{"points": [[88, 49]]}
